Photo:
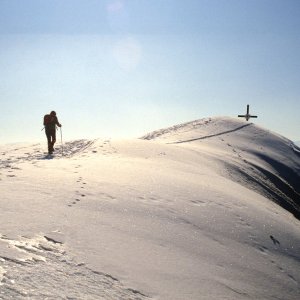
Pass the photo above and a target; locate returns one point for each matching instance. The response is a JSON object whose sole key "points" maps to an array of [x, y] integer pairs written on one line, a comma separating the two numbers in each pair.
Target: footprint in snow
{"points": [[263, 250], [198, 202], [275, 241]]}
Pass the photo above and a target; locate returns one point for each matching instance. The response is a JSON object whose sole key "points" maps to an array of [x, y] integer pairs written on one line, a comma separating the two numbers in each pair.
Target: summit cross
{"points": [[247, 116]]}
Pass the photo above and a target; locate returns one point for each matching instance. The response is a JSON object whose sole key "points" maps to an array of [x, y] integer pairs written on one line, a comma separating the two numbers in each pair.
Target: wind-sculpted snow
{"points": [[43, 269], [188, 212], [174, 130], [295, 148]]}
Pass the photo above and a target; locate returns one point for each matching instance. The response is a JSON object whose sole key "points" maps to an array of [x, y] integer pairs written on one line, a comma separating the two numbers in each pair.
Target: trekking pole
{"points": [[62, 145]]}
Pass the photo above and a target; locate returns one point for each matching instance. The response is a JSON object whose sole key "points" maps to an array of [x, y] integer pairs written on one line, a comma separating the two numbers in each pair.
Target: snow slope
{"points": [[202, 210], [259, 159]]}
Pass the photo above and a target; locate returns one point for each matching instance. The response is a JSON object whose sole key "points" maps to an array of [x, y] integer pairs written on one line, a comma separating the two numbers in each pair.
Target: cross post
{"points": [[247, 116]]}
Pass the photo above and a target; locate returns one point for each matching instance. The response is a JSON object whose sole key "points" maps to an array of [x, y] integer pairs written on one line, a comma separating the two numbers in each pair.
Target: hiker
{"points": [[50, 122]]}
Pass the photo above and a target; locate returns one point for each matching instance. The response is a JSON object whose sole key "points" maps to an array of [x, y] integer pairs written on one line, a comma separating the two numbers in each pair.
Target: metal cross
{"points": [[247, 116]]}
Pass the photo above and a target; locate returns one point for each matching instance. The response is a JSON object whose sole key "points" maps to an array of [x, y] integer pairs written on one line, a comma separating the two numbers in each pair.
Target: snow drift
{"points": [[201, 210]]}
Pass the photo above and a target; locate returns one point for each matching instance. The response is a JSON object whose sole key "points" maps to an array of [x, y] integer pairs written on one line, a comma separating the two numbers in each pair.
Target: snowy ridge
{"points": [[190, 212], [295, 148], [184, 127], [261, 160]]}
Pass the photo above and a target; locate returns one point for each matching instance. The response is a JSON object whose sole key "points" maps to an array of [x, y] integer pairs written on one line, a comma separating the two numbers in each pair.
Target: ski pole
{"points": [[62, 145]]}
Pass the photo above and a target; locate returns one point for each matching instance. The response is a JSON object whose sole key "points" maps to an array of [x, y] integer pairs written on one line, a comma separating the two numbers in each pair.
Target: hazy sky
{"points": [[117, 68]]}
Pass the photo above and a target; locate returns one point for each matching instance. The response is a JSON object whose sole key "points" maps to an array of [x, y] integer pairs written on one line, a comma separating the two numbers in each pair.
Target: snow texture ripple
{"points": [[44, 270]]}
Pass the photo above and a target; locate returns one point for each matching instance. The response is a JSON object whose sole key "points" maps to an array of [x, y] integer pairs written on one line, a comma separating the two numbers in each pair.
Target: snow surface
{"points": [[203, 210]]}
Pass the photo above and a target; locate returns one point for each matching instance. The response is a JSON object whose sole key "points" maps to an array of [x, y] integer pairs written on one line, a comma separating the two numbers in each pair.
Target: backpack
{"points": [[47, 119]]}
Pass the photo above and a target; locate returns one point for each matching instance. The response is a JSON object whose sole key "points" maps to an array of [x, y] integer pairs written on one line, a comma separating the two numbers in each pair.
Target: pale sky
{"points": [[123, 68]]}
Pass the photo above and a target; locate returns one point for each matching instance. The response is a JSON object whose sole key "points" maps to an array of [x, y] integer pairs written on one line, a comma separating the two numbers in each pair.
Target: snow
{"points": [[203, 210]]}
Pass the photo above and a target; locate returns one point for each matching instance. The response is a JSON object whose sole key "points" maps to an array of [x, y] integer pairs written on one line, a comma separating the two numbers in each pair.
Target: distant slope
{"points": [[259, 159]]}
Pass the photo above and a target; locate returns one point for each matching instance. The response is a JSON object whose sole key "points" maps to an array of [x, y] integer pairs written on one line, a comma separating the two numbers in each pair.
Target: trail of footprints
{"points": [[79, 194], [10, 158], [7, 166], [9, 170], [36, 152]]}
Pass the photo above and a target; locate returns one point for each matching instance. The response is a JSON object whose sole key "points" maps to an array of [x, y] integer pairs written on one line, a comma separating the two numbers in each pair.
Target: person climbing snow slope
{"points": [[50, 123]]}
